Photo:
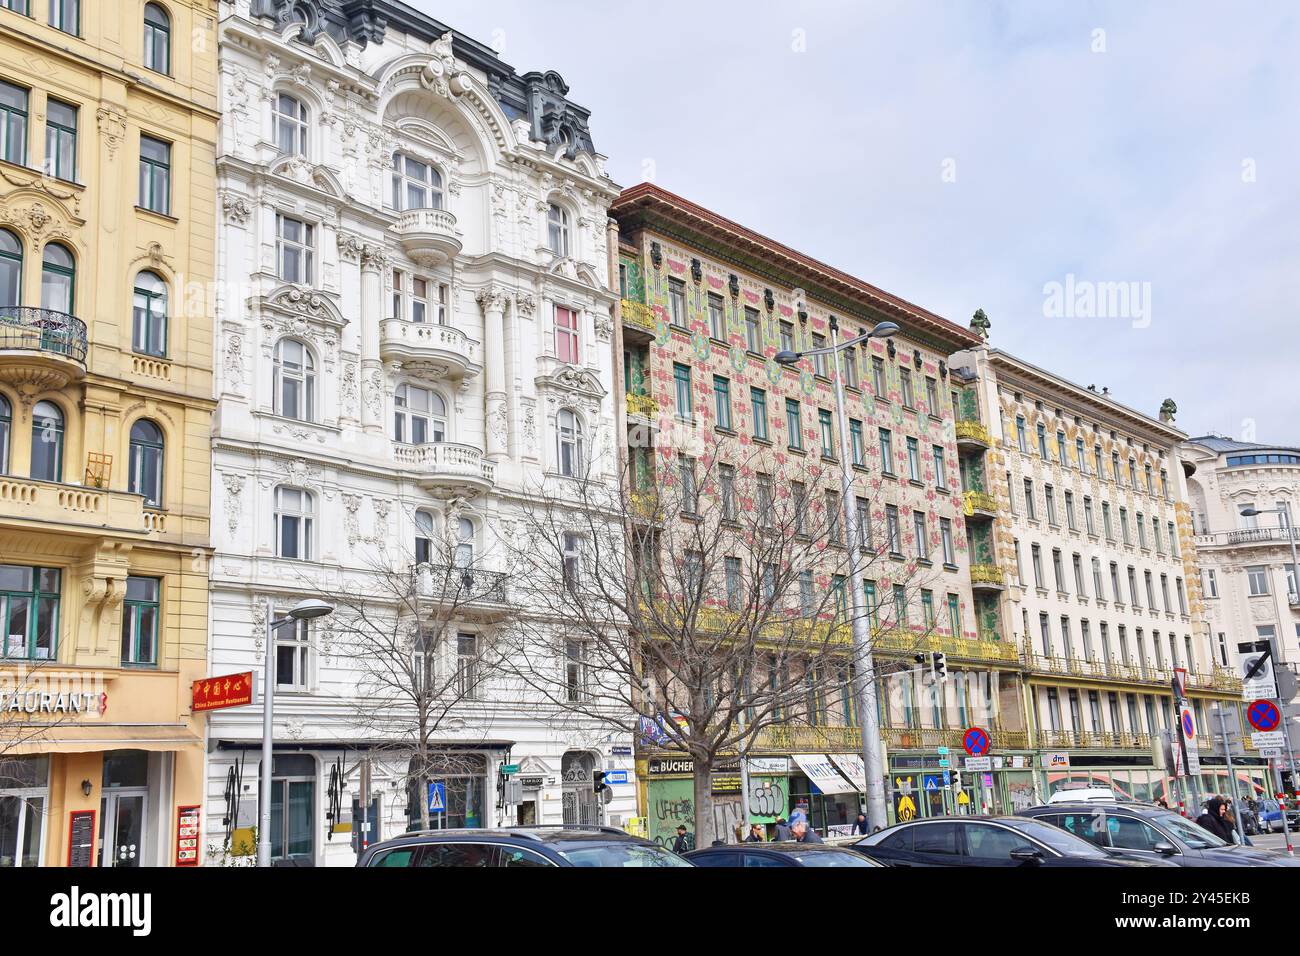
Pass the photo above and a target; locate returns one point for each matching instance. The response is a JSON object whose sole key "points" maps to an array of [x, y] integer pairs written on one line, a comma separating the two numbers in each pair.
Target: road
{"points": [[1273, 841]]}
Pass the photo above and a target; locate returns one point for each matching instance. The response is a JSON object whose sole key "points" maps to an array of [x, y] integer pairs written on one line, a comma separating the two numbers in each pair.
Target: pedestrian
{"points": [[756, 834], [685, 841], [860, 824], [1214, 819], [782, 830], [805, 834], [800, 812]]}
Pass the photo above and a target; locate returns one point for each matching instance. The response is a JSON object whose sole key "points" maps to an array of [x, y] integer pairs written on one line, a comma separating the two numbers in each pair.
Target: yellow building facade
{"points": [[108, 126]]}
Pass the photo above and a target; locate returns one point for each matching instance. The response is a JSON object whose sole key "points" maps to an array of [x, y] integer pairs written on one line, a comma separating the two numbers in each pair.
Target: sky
{"points": [[1117, 184]]}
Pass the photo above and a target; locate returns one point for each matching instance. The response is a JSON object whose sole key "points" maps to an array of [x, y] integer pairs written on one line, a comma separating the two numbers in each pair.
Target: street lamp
{"points": [[1293, 597], [302, 611], [865, 673]]}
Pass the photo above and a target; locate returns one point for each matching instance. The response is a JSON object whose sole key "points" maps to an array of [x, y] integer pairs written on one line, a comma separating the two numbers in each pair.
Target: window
{"points": [[1098, 590], [295, 245], [927, 608], [931, 396], [6, 429], [826, 424], [886, 451], [140, 621], [758, 405], [1070, 519], [11, 268], [295, 381], [690, 498], [1049, 498], [807, 602], [423, 537], [1209, 581], [1011, 494], [292, 655], [913, 460], [416, 184], [566, 335], [833, 511], [13, 124], [149, 315], [820, 365], [23, 796], [717, 318], [1089, 519], [294, 511], [734, 583], [575, 671], [878, 376], [289, 121], [905, 383], [1036, 557], [1078, 456], [1058, 570], [1134, 598], [945, 535], [893, 530], [1257, 578], [419, 416], [1062, 456], [850, 366], [682, 388], [793, 424], [1020, 569], [155, 175], [1022, 442], [58, 279], [1031, 507], [954, 614], [29, 612], [146, 464], [1041, 431], [47, 442], [557, 229], [940, 467], [727, 485], [799, 492], [765, 499], [1099, 469], [1117, 595], [753, 331], [1142, 531], [900, 605], [786, 330], [922, 535], [1045, 632], [856, 445], [61, 140], [865, 536], [1105, 520], [65, 15], [1173, 539], [722, 401], [570, 438], [464, 557], [571, 559], [157, 39], [677, 302]]}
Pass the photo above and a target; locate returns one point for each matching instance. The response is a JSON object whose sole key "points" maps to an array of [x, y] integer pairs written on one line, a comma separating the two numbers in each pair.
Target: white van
{"points": [[1084, 795]]}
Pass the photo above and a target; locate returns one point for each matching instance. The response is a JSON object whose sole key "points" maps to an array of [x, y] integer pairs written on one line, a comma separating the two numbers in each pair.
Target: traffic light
{"points": [[939, 665], [598, 781]]}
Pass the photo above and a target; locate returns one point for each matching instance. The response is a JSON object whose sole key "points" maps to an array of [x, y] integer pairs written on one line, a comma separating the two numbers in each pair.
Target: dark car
{"points": [[1146, 832], [520, 846], [984, 841], [778, 854]]}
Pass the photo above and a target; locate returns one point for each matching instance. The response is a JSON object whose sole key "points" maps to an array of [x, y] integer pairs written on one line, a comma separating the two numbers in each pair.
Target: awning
{"points": [[86, 738], [819, 769], [851, 766]]}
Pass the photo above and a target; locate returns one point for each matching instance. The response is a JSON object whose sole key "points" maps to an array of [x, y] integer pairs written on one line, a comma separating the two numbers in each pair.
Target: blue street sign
{"points": [[943, 762], [616, 776], [931, 783], [947, 778], [437, 797]]}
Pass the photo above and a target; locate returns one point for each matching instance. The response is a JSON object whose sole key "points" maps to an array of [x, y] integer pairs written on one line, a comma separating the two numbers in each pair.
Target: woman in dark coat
{"points": [[1214, 819]]}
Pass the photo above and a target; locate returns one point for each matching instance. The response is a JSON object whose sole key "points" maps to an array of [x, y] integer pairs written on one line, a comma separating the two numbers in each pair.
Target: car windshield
{"points": [[1057, 839], [620, 854], [1190, 833], [824, 858]]}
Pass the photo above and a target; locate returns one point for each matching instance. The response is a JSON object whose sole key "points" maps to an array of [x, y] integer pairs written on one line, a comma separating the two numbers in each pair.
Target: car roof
{"points": [[1093, 806], [546, 835], [785, 846]]}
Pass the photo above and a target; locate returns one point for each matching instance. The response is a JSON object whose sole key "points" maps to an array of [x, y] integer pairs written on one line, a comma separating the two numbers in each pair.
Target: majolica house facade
{"points": [[422, 335], [1248, 581], [705, 306], [107, 136], [1099, 570]]}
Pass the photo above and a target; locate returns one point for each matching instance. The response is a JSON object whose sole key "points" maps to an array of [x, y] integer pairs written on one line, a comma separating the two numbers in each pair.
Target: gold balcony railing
{"points": [[986, 574], [1099, 670], [638, 314], [803, 738], [931, 738], [642, 406], [973, 431], [900, 641], [979, 501], [1093, 740]]}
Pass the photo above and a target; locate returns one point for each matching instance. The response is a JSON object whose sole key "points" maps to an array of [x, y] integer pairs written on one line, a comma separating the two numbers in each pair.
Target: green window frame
{"points": [[758, 403], [29, 612], [149, 317], [722, 401], [155, 175], [61, 121], [65, 15], [682, 390], [11, 268], [873, 609], [141, 610], [17, 6], [157, 39], [954, 614], [14, 102], [794, 424], [827, 424]]}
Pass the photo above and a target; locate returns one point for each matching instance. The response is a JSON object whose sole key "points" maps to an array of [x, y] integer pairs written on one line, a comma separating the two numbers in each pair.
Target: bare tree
{"points": [[695, 604]]}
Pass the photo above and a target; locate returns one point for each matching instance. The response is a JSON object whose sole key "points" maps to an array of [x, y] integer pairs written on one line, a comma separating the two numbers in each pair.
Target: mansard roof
{"points": [[540, 98]]}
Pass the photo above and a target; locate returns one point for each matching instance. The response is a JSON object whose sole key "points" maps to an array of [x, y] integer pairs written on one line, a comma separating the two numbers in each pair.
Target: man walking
{"points": [[803, 834], [685, 841]]}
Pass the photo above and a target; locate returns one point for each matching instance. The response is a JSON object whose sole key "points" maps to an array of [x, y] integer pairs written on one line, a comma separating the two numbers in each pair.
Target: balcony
{"points": [[1097, 670], [428, 350], [972, 436], [1249, 536], [803, 738], [74, 509], [1092, 740], [428, 236], [931, 738], [980, 504], [463, 589], [447, 470], [1220, 678], [41, 349], [903, 642], [986, 577], [637, 315], [642, 406]]}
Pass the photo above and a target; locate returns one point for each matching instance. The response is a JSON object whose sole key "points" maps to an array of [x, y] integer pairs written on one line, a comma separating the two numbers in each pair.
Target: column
{"points": [[373, 261], [492, 301]]}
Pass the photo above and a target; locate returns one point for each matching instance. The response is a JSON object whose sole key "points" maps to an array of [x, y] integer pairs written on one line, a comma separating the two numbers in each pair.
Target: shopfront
{"points": [[921, 786]]}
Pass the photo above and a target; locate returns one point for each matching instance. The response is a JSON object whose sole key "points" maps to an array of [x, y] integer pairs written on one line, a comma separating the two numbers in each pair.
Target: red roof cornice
{"points": [[648, 201]]}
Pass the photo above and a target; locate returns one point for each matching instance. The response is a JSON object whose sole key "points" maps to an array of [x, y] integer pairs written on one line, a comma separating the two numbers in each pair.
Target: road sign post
{"points": [[1222, 714]]}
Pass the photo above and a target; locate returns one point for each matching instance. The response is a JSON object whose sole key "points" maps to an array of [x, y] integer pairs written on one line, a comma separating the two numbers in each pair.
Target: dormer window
{"points": [[416, 185]]}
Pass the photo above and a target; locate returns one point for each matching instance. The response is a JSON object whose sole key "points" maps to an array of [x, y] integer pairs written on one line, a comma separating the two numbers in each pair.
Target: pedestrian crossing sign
{"points": [[437, 797]]}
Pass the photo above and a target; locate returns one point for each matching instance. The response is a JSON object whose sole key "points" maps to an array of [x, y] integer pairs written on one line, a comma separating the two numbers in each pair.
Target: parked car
{"points": [[1078, 794], [1270, 817], [1145, 832], [985, 841], [778, 854], [520, 846]]}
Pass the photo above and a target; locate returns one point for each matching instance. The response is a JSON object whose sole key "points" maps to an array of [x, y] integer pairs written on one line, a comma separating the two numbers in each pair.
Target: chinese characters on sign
{"points": [[214, 693]]}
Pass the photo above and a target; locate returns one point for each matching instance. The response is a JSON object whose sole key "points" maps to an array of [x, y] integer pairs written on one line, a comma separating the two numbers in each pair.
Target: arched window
{"points": [[294, 517], [47, 442], [464, 543], [423, 537], [11, 268], [416, 185], [58, 278], [6, 426], [570, 428], [157, 39], [419, 416], [290, 126], [557, 229], [149, 315], [146, 464], [295, 381]]}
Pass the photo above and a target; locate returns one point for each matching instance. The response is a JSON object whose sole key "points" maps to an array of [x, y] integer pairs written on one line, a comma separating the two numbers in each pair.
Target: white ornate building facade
{"points": [[414, 330], [1247, 577]]}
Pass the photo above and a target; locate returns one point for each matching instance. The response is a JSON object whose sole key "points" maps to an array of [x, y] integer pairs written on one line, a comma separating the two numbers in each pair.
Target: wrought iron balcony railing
{"points": [[462, 585], [42, 330]]}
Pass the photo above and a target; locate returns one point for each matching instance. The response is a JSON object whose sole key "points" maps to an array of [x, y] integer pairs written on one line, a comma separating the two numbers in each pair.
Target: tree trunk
{"points": [[422, 786], [703, 782]]}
